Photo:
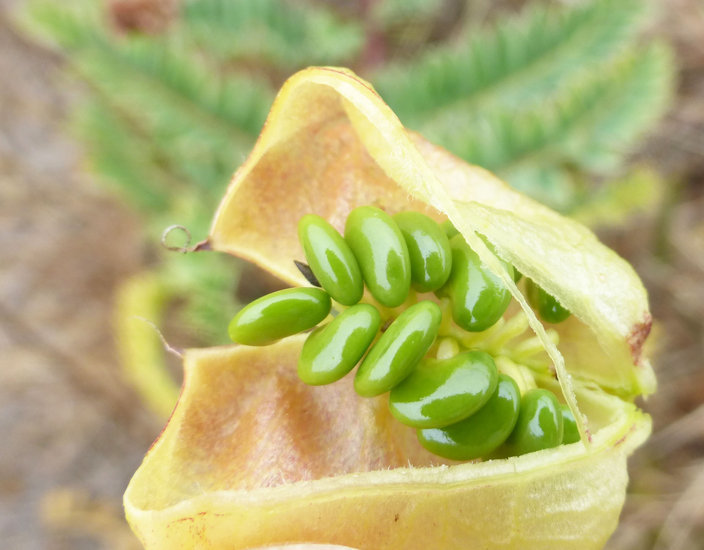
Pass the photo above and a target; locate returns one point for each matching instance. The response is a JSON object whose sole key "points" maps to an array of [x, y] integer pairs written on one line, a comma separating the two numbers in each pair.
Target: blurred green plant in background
{"points": [[552, 99], [547, 100]]}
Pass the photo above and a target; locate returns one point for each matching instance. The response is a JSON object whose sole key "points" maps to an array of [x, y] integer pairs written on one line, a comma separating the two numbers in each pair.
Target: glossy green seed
{"points": [[441, 392], [449, 229], [278, 315], [331, 351], [428, 249], [331, 260], [479, 298], [546, 305], [570, 433], [381, 252], [399, 349], [539, 423], [480, 434]]}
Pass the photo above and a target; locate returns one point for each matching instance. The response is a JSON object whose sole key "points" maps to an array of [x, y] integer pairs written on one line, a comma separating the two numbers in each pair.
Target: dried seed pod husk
{"points": [[253, 457]]}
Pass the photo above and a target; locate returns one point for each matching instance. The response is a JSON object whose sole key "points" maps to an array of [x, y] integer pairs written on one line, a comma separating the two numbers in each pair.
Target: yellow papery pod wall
{"points": [[253, 457]]}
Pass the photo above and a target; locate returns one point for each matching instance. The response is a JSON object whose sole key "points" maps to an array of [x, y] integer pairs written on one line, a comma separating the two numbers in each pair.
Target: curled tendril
{"points": [[185, 248]]}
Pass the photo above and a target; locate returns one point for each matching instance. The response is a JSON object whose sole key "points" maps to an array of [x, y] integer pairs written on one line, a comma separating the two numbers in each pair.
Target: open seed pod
{"points": [[253, 457]]}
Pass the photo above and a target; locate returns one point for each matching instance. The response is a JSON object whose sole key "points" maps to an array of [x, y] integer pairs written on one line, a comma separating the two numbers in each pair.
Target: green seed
{"points": [[381, 252], [479, 298], [428, 248], [331, 260], [439, 393], [546, 305], [539, 423], [481, 433], [399, 349], [331, 351], [278, 315], [570, 433], [449, 229]]}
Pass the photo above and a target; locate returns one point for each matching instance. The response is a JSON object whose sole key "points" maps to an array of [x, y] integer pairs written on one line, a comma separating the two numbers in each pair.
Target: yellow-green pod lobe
{"points": [[381, 252], [331, 260], [428, 249], [331, 351], [278, 315], [399, 349]]}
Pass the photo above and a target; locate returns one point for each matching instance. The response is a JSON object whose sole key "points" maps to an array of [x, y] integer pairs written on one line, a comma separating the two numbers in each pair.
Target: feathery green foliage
{"points": [[408, 25], [165, 133], [158, 118], [587, 129], [280, 34], [390, 12], [514, 64], [546, 100], [120, 154]]}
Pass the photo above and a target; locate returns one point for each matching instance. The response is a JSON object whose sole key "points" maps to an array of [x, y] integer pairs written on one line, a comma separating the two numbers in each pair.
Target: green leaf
{"points": [[516, 63], [589, 128], [164, 128], [284, 34]]}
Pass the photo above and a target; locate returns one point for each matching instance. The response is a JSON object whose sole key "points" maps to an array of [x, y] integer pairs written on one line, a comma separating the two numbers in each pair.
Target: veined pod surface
{"points": [[331, 351], [331, 260], [547, 306], [483, 432], [441, 392], [539, 425], [479, 298], [381, 252], [399, 349], [212, 480], [278, 315], [428, 249]]}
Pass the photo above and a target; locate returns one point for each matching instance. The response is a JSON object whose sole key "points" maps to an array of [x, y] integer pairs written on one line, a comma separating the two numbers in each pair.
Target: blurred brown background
{"points": [[72, 432]]}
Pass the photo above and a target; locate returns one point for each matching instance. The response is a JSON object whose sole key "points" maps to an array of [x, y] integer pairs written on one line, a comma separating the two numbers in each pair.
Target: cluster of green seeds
{"points": [[438, 378]]}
